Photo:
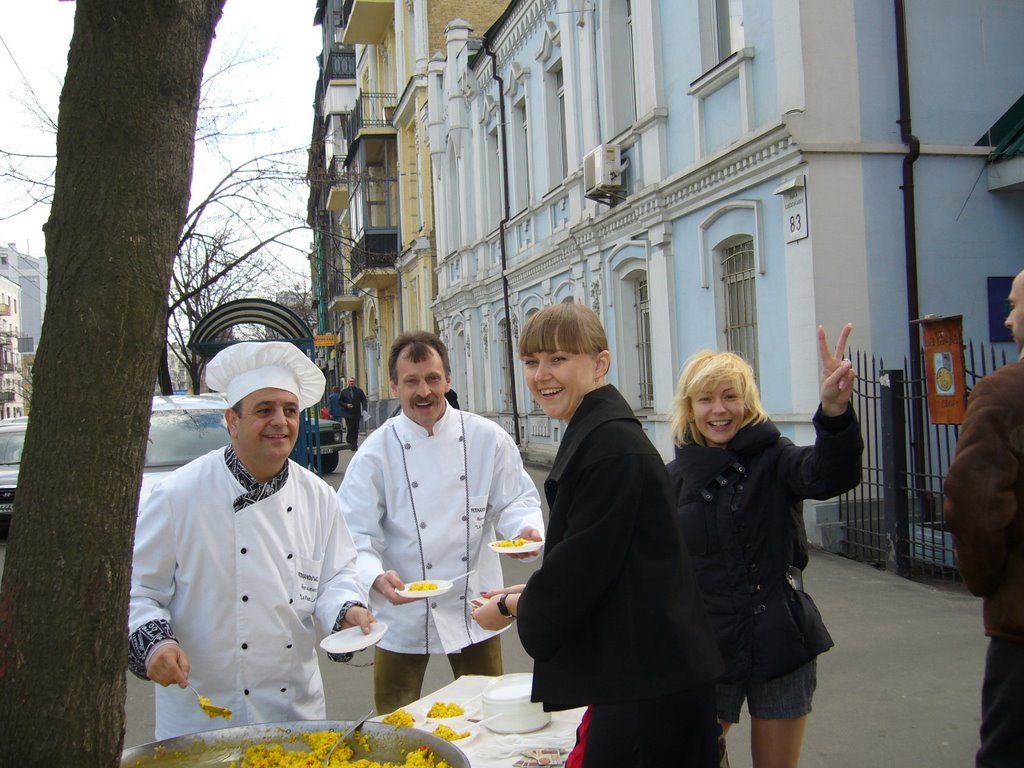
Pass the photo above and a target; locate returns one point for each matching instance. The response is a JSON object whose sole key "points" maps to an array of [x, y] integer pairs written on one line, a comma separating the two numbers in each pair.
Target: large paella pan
{"points": [[383, 743]]}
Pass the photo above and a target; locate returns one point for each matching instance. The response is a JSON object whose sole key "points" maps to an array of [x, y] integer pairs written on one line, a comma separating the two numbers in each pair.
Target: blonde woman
{"points": [[612, 618], [737, 481]]}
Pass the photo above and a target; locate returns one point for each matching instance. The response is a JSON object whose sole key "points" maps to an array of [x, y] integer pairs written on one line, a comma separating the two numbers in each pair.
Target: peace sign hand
{"points": [[837, 374]]}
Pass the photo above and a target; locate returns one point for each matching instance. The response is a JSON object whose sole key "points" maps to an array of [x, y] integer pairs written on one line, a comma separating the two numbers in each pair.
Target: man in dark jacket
{"points": [[984, 504], [353, 402]]}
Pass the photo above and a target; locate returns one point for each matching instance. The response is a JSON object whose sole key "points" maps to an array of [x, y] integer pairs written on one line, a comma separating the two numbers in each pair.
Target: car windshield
{"points": [[11, 443], [177, 437]]}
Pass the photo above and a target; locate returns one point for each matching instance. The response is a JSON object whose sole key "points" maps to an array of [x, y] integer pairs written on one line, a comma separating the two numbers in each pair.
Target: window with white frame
{"points": [[619, 66], [739, 299], [520, 160], [729, 27], [504, 367], [721, 30], [554, 86], [634, 351], [494, 181], [642, 310]]}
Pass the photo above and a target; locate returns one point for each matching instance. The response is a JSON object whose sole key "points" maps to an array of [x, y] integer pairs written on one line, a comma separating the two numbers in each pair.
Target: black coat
{"points": [[613, 614], [355, 397], [736, 509]]}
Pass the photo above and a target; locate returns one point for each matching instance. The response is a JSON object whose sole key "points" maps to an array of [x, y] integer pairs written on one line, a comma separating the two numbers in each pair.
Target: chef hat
{"points": [[243, 368]]}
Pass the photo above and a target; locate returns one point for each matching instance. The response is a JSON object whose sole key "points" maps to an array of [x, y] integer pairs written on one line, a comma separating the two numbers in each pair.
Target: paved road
{"points": [[901, 687]]}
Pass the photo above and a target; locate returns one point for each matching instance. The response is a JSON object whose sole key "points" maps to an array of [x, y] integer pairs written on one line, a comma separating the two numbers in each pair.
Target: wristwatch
{"points": [[503, 609]]}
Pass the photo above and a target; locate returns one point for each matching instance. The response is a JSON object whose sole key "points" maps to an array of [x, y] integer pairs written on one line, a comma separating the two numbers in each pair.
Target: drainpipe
{"points": [[909, 215], [910, 248], [506, 215]]}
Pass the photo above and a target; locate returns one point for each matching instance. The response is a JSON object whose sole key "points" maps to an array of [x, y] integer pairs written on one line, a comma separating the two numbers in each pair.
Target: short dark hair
{"points": [[419, 344]]}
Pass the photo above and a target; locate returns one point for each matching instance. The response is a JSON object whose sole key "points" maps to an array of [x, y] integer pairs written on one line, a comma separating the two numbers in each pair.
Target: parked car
{"points": [[181, 428]]}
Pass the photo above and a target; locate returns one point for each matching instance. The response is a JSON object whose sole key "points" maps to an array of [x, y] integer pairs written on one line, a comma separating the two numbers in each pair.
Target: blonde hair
{"points": [[567, 327], [703, 372]]}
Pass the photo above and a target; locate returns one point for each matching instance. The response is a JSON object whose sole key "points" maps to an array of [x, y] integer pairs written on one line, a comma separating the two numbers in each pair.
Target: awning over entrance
{"points": [[1006, 163], [209, 335]]}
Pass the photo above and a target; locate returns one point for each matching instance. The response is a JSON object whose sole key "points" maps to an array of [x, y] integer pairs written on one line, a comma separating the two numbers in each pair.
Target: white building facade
{"points": [[722, 174]]}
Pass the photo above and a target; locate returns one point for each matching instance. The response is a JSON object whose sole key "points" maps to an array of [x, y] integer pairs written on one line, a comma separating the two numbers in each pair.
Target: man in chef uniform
{"points": [[236, 553], [428, 490]]}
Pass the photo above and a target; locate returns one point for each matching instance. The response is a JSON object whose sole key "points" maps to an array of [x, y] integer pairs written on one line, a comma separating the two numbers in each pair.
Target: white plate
{"points": [[352, 639], [442, 587], [530, 546]]}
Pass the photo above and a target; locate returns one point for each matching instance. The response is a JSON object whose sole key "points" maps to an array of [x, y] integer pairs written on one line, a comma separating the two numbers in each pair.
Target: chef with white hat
{"points": [[238, 554]]}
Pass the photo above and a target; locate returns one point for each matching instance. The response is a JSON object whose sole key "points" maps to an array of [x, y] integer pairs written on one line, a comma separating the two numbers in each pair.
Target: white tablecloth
{"points": [[485, 748]]}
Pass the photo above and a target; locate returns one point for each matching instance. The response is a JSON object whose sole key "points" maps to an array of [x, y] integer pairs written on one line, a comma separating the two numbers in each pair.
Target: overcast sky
{"points": [[34, 41]]}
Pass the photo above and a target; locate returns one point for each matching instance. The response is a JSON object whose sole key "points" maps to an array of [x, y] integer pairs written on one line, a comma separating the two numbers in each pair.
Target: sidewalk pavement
{"points": [[901, 688]]}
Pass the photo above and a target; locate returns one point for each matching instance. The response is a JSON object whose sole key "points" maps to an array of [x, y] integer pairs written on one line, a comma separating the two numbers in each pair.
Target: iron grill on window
{"points": [[740, 301], [643, 342]]}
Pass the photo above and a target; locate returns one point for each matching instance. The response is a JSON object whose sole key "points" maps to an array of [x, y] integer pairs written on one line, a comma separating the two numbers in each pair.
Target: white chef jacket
{"points": [[426, 507], [240, 591]]}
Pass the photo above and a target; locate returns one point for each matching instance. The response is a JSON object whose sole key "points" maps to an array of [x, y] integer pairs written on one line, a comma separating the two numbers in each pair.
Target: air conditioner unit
{"points": [[602, 171]]}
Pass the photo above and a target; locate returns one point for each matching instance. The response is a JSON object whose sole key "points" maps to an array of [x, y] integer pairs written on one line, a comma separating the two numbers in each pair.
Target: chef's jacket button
{"points": [[462, 477], [283, 690], [462, 438], [760, 608], [408, 447], [289, 509], [245, 646], [753, 566], [289, 555], [423, 525], [462, 597], [289, 645], [433, 605], [465, 558], [245, 598], [246, 691], [465, 518], [289, 601], [429, 566], [244, 550], [415, 484]]}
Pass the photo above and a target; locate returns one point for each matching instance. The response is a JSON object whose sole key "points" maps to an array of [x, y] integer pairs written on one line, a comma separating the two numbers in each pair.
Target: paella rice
{"points": [[320, 743], [422, 586], [510, 543], [445, 709], [448, 733], [399, 718]]}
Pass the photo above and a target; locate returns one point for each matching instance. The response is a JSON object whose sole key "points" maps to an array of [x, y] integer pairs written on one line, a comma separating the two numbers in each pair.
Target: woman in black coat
{"points": [[740, 486], [612, 618]]}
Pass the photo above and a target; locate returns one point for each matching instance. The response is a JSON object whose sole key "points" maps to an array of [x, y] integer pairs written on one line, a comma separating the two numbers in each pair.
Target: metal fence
{"points": [[894, 518]]}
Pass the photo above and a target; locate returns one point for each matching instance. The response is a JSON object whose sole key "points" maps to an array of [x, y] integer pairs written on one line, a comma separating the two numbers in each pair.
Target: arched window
{"points": [[739, 299]]}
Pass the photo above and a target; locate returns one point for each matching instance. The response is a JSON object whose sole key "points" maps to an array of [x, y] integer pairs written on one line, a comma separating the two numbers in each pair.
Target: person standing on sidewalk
{"points": [[984, 506], [240, 556], [353, 403], [613, 618], [737, 480], [427, 492]]}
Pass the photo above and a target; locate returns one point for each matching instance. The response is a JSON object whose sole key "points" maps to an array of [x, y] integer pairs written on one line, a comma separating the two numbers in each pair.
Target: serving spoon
{"points": [[211, 710], [348, 732]]}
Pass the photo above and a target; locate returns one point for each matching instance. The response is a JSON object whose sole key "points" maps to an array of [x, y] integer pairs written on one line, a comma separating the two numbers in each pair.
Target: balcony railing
{"points": [[6, 396], [341, 65], [373, 110], [374, 251]]}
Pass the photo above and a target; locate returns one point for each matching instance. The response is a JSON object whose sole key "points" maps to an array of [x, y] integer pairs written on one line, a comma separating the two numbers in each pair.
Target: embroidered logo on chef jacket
{"points": [[478, 510]]}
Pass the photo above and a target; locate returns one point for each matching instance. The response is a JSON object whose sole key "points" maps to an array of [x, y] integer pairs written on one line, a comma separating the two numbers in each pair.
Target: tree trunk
{"points": [[164, 373], [124, 166]]}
